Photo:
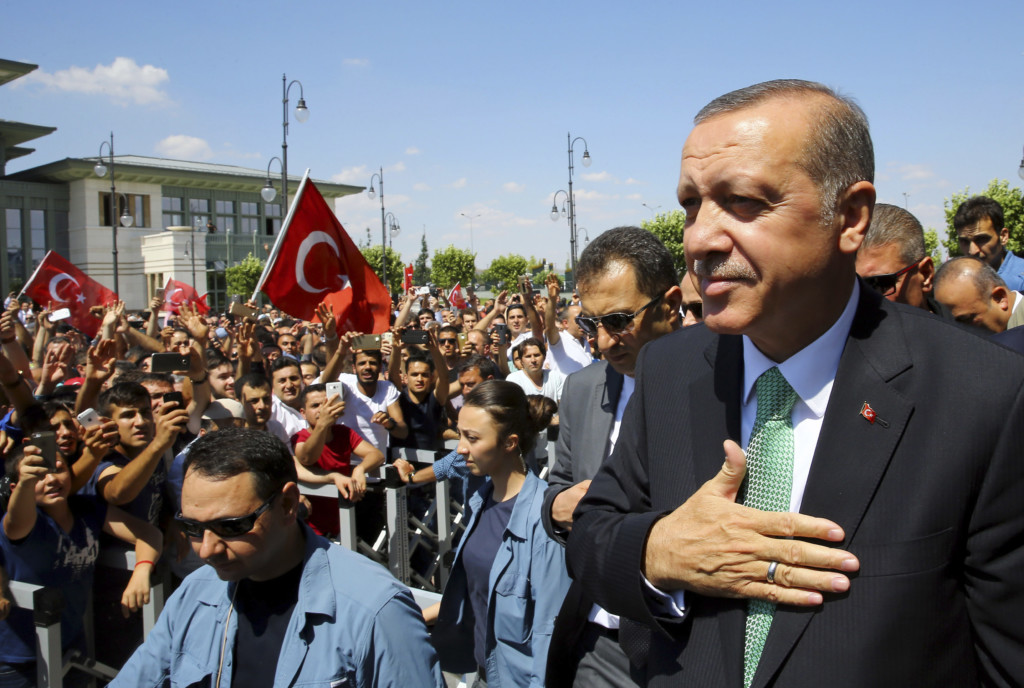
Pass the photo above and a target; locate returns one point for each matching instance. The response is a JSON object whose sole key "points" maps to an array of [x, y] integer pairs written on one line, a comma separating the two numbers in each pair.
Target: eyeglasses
{"points": [[613, 323], [224, 527], [886, 284], [696, 309], [447, 341]]}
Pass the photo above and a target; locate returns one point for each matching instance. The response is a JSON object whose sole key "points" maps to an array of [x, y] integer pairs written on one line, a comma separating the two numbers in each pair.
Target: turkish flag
{"points": [[407, 284], [456, 297], [59, 282], [178, 294], [314, 260]]}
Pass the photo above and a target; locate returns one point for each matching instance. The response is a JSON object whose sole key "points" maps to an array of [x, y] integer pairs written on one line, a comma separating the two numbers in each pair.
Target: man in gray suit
{"points": [[630, 295]]}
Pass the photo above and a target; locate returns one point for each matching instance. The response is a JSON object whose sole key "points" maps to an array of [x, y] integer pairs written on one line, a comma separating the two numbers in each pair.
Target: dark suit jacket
{"points": [[585, 418], [930, 495]]}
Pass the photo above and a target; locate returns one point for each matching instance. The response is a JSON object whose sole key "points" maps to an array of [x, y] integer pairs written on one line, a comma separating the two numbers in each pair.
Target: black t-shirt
{"points": [[477, 558], [264, 610], [424, 421]]}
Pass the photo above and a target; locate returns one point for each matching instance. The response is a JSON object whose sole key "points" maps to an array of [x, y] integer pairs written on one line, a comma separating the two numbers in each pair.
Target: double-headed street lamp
{"points": [[470, 218], [383, 225], [301, 114], [571, 199], [126, 219]]}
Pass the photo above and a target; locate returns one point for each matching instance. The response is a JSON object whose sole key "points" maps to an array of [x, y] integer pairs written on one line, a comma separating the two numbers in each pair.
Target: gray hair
{"points": [[891, 224], [838, 153]]}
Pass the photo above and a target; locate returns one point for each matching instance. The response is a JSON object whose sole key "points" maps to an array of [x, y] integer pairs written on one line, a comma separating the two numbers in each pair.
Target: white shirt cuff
{"points": [[662, 603]]}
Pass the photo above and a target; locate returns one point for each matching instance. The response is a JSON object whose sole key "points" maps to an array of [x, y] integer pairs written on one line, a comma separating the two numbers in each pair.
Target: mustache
{"points": [[723, 267]]}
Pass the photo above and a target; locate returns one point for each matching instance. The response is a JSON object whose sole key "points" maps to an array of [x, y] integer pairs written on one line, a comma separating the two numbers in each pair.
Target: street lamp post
{"points": [[301, 114], [654, 210], [1020, 171], [383, 228], [572, 198], [101, 171], [470, 218]]}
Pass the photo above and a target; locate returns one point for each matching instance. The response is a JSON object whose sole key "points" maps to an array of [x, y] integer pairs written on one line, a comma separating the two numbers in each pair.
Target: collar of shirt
{"points": [[810, 371]]}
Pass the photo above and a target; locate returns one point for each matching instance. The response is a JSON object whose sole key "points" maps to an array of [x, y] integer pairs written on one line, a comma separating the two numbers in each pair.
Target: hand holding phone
{"points": [[47, 443]]}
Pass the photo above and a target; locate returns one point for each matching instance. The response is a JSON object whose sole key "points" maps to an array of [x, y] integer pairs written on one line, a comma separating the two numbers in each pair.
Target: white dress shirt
{"points": [[811, 373]]}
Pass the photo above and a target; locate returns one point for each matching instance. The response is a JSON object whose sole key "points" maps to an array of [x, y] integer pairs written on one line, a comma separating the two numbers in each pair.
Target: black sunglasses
{"points": [[696, 308], [447, 341], [886, 284], [613, 323], [224, 527]]}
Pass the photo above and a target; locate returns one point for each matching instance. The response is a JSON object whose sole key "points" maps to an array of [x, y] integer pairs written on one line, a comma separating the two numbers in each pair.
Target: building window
{"points": [[273, 218], [37, 235], [136, 205], [15, 255], [172, 208], [250, 221], [200, 211], [226, 216]]}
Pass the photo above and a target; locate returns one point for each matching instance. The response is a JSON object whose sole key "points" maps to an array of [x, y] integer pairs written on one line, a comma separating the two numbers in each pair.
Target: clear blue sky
{"points": [[466, 105]]}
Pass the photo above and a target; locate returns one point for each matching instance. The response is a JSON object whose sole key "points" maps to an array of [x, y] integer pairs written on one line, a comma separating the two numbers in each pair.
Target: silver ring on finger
{"points": [[772, 567]]}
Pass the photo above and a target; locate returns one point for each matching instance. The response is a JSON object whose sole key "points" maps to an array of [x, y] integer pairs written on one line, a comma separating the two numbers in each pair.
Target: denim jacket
{"points": [[353, 625], [528, 582]]}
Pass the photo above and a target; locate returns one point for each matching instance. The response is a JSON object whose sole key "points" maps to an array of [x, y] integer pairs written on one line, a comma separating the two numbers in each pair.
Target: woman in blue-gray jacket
{"points": [[509, 577]]}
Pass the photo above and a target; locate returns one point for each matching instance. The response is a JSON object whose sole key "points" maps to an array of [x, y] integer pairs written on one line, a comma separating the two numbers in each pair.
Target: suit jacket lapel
{"points": [[607, 398], [853, 450], [715, 414]]}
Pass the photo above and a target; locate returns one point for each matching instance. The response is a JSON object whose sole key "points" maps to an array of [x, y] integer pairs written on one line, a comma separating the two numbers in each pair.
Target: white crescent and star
{"points": [[170, 296], [62, 277], [305, 247]]}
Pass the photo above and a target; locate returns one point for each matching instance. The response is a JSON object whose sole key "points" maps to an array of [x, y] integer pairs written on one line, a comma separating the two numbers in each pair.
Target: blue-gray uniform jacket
{"points": [[353, 625], [528, 582]]}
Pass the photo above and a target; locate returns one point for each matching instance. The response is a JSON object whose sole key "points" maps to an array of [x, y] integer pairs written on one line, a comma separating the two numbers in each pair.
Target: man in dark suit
{"points": [[897, 556], [629, 296]]}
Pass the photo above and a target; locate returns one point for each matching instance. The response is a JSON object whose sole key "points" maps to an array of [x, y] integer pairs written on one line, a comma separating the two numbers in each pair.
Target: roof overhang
{"points": [[238, 179]]}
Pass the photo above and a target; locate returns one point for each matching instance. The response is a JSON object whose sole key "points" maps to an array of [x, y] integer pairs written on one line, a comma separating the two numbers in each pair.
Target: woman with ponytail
{"points": [[509, 577]]}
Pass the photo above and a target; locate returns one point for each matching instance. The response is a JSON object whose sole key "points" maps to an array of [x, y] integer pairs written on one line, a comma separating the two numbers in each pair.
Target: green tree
{"points": [[669, 228], [452, 265], [931, 246], [394, 262], [242, 278], [505, 269], [1013, 213], [420, 271]]}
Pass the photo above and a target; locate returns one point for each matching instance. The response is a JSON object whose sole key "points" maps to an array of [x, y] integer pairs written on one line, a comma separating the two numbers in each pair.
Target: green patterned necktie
{"points": [[769, 484]]}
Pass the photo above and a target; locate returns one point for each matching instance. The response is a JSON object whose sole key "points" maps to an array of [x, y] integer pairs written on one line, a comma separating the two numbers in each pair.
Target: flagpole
{"points": [[280, 236], [34, 273]]}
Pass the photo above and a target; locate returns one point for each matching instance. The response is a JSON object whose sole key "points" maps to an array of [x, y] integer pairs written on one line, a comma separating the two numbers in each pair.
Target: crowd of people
{"points": [[864, 528]]}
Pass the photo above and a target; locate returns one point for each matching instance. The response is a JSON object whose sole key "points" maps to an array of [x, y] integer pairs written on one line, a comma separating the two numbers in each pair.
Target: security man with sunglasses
{"points": [[277, 605], [892, 260], [629, 295]]}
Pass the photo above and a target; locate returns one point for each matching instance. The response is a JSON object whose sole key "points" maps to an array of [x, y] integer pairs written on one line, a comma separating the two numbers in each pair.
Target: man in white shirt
{"points": [[371, 404], [534, 378]]}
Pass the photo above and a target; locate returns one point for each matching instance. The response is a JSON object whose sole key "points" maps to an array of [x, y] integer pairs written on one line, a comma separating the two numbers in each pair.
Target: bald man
{"points": [[976, 295]]}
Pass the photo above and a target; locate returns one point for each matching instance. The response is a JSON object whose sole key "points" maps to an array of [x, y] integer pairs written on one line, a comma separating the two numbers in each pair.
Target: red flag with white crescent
{"points": [[407, 284], [315, 260], [456, 298], [56, 281], [178, 294]]}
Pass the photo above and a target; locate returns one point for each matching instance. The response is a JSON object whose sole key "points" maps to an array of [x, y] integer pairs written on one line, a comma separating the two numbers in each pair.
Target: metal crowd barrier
{"points": [[46, 605], [416, 532]]}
